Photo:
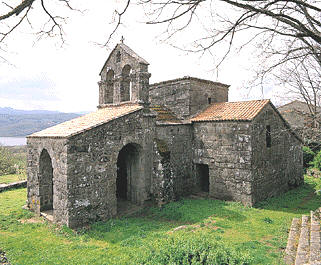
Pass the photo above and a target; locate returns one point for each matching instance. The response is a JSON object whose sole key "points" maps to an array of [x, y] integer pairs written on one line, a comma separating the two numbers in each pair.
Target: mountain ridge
{"points": [[20, 123]]}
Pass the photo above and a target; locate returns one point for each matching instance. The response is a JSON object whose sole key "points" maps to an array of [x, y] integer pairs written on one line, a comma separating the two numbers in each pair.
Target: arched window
{"points": [[125, 86], [109, 92], [118, 57]]}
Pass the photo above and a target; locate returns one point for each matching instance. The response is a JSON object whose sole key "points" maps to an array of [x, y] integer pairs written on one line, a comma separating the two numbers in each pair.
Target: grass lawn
{"points": [[5, 179], [258, 234]]}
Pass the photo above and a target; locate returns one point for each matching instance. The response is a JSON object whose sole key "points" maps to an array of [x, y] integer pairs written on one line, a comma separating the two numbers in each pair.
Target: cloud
{"points": [[38, 88], [46, 77]]}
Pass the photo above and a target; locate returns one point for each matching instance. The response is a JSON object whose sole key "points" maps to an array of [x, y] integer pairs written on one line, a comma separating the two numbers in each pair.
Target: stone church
{"points": [[158, 142]]}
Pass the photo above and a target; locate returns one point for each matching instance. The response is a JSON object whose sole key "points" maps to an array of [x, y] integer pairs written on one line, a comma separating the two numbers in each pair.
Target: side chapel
{"points": [[159, 142]]}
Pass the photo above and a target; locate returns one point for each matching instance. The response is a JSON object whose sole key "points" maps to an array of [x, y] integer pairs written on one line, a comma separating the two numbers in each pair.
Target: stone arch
{"points": [[129, 181], [109, 92], [126, 84], [45, 178]]}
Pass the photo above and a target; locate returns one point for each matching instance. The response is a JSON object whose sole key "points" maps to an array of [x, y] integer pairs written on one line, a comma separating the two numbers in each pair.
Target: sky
{"points": [[45, 75]]}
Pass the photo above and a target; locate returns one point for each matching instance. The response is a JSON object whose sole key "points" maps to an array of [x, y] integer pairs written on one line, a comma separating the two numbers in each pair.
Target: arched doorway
{"points": [[129, 174], [45, 178]]}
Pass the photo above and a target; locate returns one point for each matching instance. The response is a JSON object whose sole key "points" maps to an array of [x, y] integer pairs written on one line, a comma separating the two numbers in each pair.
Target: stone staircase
{"points": [[304, 241]]}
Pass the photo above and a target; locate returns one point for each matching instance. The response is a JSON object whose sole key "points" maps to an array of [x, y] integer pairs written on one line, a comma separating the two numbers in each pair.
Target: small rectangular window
{"points": [[268, 136], [209, 100]]}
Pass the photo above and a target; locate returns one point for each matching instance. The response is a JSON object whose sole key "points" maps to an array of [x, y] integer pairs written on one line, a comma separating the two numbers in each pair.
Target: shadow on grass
{"points": [[300, 200], [156, 222]]}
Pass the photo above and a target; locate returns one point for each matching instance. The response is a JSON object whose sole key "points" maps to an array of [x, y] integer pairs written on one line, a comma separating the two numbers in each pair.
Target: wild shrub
{"points": [[308, 156], [316, 162], [11, 163], [6, 162], [192, 250]]}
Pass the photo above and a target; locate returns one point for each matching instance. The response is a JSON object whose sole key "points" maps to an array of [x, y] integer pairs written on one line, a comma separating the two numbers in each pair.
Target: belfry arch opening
{"points": [[109, 92], [45, 177], [129, 173], [126, 84]]}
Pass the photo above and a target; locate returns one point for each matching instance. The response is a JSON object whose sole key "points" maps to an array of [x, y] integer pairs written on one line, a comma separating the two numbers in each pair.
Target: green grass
{"points": [[5, 179], [258, 234]]}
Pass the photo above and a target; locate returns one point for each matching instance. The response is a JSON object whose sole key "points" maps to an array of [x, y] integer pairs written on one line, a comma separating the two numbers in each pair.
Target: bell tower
{"points": [[124, 78]]}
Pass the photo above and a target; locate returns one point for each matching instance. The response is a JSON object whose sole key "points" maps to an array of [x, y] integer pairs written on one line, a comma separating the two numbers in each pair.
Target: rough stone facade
{"points": [[41, 179], [299, 115], [226, 148], [159, 142], [277, 168], [188, 95]]}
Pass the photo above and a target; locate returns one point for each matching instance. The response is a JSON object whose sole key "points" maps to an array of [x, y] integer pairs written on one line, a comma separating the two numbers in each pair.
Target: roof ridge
{"points": [[189, 78]]}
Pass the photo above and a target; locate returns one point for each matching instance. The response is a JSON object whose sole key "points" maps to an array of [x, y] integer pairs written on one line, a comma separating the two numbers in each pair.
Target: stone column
{"points": [[102, 87], [117, 89], [143, 89]]}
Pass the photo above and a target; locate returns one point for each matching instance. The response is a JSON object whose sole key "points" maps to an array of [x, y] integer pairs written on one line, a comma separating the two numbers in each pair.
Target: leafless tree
{"points": [[41, 16], [302, 81], [294, 25], [283, 30], [288, 30]]}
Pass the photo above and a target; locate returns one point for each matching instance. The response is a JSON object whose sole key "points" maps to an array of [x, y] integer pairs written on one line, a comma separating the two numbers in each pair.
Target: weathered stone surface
{"points": [[225, 148], [277, 168], [304, 241], [179, 141], [291, 247], [57, 150], [188, 95], [92, 167], [315, 238], [302, 255]]}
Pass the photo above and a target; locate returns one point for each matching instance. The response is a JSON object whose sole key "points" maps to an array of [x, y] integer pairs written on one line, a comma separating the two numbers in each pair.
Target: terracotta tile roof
{"points": [[164, 114], [230, 111], [86, 122]]}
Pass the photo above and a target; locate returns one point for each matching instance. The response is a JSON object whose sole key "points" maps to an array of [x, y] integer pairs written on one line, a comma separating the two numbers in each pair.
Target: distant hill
{"points": [[18, 123]]}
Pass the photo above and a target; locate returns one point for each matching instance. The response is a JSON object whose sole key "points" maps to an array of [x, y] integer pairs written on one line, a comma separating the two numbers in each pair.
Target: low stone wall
{"points": [[14, 185]]}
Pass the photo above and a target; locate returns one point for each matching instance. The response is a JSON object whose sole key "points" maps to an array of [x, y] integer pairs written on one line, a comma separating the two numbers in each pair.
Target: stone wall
{"points": [[187, 96], [226, 148], [92, 167], [203, 91], [277, 168], [174, 94], [163, 177], [178, 139], [57, 150]]}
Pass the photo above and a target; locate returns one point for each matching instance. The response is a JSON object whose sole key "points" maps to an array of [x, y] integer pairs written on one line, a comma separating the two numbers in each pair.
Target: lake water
{"points": [[11, 141]]}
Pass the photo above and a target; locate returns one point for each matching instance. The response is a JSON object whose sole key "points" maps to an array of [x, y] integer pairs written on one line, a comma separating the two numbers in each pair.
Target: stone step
{"points": [[293, 239], [47, 215], [315, 239], [303, 251]]}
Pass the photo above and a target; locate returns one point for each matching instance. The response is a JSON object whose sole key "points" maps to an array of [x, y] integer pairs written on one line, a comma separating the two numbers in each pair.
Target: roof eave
{"points": [[241, 120]]}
